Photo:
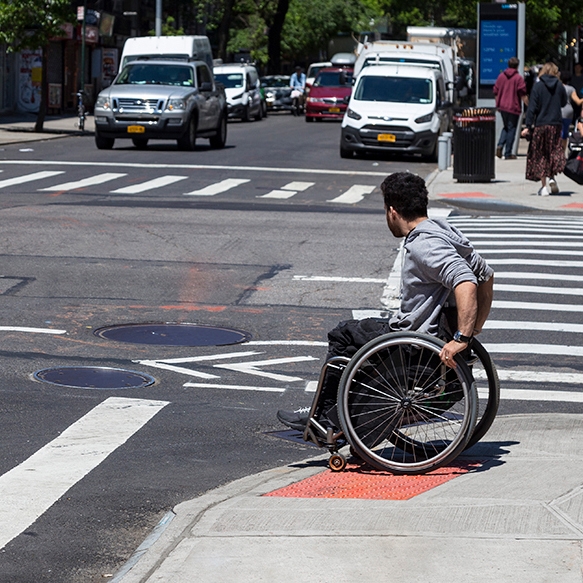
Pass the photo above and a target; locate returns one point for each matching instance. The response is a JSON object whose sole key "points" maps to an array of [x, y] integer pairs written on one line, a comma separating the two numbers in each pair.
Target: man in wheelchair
{"points": [[446, 288]]}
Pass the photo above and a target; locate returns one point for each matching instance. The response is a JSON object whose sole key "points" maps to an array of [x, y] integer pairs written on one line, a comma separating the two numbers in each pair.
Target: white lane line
{"points": [[530, 395], [33, 330], [534, 376], [285, 343], [335, 279], [201, 358], [545, 349], [534, 232], [286, 170], [298, 186], [565, 327], [218, 187], [235, 387], [32, 487], [539, 289], [537, 262], [29, 178], [178, 369], [477, 242], [91, 181], [354, 194], [252, 367], [532, 275], [391, 296], [531, 251], [149, 184], [536, 306], [278, 194]]}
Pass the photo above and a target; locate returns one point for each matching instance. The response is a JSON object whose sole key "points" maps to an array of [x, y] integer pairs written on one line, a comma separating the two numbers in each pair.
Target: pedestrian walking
{"points": [[544, 124], [567, 110], [510, 93], [577, 83]]}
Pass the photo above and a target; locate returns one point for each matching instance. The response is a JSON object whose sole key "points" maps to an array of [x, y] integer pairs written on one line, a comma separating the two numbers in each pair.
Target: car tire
{"points": [[264, 109], [188, 141], [259, 114], [246, 117], [309, 119], [220, 138], [432, 156], [140, 143], [103, 143]]}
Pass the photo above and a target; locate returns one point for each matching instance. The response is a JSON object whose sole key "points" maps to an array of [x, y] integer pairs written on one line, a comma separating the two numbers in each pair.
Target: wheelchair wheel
{"points": [[401, 408], [488, 390]]}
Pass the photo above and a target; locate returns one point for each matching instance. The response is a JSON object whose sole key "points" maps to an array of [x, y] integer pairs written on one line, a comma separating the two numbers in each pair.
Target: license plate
{"points": [[387, 138], [136, 129], [334, 110]]}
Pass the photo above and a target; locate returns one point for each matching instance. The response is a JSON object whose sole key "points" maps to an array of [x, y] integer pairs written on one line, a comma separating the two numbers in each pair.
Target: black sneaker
{"points": [[295, 419]]}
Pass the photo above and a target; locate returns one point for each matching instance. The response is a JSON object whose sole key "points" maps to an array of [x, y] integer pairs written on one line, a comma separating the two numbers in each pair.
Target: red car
{"points": [[328, 96]]}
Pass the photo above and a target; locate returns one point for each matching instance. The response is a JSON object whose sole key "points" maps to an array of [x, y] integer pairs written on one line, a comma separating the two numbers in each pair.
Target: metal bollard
{"points": [[442, 148], [449, 136]]}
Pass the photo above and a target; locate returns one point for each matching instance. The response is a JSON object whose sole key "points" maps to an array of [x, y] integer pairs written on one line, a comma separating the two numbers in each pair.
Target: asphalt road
{"points": [[275, 236]]}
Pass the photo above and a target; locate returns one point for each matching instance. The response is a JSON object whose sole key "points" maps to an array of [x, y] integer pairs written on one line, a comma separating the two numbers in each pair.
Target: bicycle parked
{"points": [[81, 110]]}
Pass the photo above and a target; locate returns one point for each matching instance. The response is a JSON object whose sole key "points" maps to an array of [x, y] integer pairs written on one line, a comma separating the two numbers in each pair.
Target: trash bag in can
{"points": [[474, 142]]}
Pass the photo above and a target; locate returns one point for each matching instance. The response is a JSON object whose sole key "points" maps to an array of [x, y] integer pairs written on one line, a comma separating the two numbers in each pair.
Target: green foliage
{"points": [[168, 28], [30, 24]]}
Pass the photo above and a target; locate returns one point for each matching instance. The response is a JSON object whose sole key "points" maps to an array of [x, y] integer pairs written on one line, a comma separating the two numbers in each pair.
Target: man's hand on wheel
{"points": [[449, 351]]}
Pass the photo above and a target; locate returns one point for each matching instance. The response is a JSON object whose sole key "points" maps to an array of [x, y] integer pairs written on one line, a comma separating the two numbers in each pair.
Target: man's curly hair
{"points": [[407, 194]]}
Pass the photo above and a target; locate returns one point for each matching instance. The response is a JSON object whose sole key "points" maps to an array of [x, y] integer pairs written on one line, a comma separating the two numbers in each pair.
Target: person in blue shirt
{"points": [[298, 84]]}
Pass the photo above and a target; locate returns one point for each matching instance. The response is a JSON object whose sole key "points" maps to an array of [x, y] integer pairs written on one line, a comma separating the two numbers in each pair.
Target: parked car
{"points": [[168, 100], [328, 97], [313, 71], [277, 92], [242, 88], [396, 108]]}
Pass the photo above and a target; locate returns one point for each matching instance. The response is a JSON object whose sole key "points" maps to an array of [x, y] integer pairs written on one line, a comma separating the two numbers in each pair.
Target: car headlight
{"points": [[424, 118], [352, 114], [238, 96], [176, 105], [314, 100], [102, 103]]}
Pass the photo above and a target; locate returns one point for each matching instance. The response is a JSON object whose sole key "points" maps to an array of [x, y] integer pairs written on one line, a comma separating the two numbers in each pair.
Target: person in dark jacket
{"points": [[509, 92], [544, 122]]}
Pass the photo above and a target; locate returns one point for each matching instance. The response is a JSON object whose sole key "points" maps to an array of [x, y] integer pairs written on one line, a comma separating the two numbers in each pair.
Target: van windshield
{"points": [[394, 89], [333, 79], [141, 74], [230, 80]]}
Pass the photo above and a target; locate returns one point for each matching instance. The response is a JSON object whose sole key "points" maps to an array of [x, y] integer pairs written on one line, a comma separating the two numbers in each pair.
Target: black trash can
{"points": [[474, 145]]}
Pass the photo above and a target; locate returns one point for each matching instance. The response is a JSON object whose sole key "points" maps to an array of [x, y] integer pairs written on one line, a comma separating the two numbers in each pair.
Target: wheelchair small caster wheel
{"points": [[337, 462]]}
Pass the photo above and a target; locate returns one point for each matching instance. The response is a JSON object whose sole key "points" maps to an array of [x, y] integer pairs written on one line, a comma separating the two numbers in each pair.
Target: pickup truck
{"points": [[162, 99]]}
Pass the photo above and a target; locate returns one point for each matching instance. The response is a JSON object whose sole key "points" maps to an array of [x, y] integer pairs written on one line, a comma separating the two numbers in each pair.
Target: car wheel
{"points": [[246, 114], [259, 114], [309, 119], [432, 156], [188, 140], [140, 143], [264, 108], [220, 138], [103, 143]]}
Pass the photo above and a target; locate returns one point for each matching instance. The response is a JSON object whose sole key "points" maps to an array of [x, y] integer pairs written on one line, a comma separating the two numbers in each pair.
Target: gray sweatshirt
{"points": [[437, 258]]}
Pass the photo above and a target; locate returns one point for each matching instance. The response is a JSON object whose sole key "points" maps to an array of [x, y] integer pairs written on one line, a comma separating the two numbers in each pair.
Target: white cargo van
{"points": [[420, 54], [183, 48], [396, 108]]}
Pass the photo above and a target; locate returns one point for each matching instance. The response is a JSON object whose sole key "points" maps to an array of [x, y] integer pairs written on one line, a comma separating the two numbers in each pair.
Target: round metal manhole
{"points": [[173, 334], [94, 377]]}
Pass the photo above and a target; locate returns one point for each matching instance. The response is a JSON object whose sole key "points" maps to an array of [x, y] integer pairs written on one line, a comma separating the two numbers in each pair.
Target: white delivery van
{"points": [[421, 54], [243, 90], [183, 48], [396, 108]]}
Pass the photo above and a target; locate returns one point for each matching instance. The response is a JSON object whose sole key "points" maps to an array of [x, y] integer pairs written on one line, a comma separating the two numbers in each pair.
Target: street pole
{"points": [[83, 45], [158, 17]]}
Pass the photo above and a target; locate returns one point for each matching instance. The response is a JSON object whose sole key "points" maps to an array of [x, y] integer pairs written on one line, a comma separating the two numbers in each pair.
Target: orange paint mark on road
{"points": [[573, 205]]}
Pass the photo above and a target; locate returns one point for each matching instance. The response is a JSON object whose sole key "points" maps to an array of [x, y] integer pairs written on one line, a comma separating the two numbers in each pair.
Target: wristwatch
{"points": [[459, 337]]}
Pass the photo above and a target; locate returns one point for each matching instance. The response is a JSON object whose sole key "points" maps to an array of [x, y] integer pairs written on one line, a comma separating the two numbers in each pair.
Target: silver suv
{"points": [[162, 100]]}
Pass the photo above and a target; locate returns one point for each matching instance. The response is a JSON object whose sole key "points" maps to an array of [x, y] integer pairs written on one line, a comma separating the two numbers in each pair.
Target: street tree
{"points": [[31, 24]]}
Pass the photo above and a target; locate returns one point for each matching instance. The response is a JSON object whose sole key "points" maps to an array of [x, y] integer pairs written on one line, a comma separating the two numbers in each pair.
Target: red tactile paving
{"points": [[354, 482], [573, 205], [465, 195]]}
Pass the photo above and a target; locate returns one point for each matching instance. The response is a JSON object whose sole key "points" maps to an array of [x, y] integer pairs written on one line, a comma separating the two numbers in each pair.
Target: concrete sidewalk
{"points": [[517, 517], [19, 128]]}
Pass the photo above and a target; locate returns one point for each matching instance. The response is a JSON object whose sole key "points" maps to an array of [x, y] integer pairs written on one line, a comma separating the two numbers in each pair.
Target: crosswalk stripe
{"points": [[531, 251], [536, 376], [544, 349], [91, 181], [32, 487], [29, 178], [354, 194], [534, 275], [149, 185], [476, 242], [298, 186], [509, 305], [218, 187], [562, 327], [538, 262], [530, 395], [537, 289], [283, 194]]}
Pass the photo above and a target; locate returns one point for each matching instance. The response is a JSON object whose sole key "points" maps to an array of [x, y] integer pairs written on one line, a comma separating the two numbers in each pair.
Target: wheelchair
{"points": [[400, 409]]}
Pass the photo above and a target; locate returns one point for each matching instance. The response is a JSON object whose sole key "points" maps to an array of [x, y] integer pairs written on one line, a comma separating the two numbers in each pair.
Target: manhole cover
{"points": [[94, 377], [173, 334]]}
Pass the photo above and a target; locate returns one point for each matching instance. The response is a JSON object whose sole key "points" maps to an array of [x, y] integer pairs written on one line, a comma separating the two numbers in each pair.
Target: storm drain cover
{"points": [[94, 377], [173, 334]]}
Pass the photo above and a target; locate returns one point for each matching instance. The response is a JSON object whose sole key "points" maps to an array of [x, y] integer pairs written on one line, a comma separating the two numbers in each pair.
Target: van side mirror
{"points": [[206, 86]]}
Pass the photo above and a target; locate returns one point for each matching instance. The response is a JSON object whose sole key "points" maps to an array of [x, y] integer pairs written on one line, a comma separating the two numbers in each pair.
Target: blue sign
{"points": [[498, 42]]}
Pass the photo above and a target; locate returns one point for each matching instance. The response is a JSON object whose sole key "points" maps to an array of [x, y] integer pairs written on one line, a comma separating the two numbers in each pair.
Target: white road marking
{"points": [[149, 185], [218, 187], [298, 186], [538, 262], [354, 194], [542, 326], [282, 194], [32, 487], [91, 181], [530, 275], [286, 170], [391, 296], [524, 232], [331, 278], [285, 343], [235, 387], [533, 395], [531, 251], [252, 367], [179, 369], [545, 349], [29, 178], [536, 306], [363, 314], [538, 289], [33, 330], [534, 376], [311, 386], [524, 240]]}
